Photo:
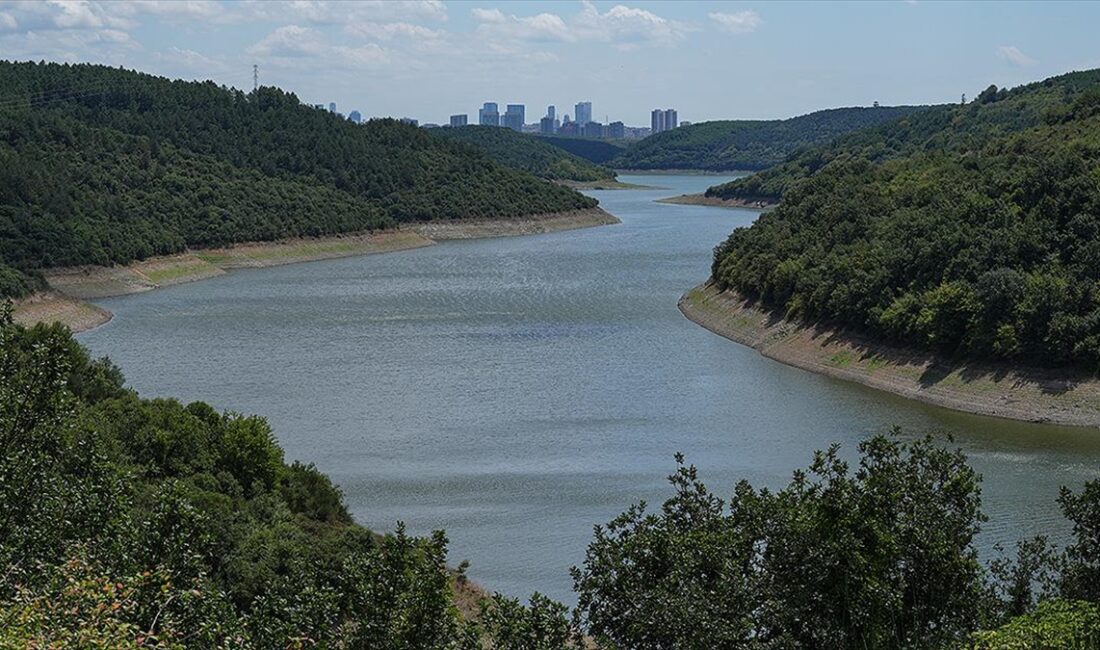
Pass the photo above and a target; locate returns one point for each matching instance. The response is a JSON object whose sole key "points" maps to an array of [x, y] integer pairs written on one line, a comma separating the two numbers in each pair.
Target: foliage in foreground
{"points": [[135, 523], [127, 522], [966, 230]]}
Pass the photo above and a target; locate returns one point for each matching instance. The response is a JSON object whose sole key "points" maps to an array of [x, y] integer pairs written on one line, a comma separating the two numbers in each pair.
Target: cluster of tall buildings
{"points": [[580, 125], [662, 120]]}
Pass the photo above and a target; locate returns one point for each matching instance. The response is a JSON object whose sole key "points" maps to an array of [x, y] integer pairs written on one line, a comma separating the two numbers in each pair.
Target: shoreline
{"points": [[981, 388], [702, 199], [680, 172], [70, 288], [612, 184]]}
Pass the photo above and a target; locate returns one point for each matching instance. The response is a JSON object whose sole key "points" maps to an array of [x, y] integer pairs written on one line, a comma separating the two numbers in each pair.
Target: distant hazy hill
{"points": [[748, 144], [597, 151], [101, 165], [969, 229], [527, 153]]}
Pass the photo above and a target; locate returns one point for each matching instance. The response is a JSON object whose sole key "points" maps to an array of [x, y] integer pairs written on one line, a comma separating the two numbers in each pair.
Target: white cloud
{"points": [[304, 46], [390, 31], [1014, 56], [191, 9], [8, 22], [741, 22], [495, 27], [627, 27], [337, 12], [624, 24]]}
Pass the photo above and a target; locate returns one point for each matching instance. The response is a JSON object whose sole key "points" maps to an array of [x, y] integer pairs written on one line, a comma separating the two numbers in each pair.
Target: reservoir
{"points": [[517, 391]]}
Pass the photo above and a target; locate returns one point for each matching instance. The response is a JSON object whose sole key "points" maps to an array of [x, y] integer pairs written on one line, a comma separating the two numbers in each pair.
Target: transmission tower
{"points": [[255, 77]]}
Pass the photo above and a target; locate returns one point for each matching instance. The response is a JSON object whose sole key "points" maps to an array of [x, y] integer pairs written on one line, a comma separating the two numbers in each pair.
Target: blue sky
{"points": [[709, 60]]}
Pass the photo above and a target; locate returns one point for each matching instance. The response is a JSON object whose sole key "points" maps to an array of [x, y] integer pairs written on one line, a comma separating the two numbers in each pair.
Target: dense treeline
{"points": [[881, 555], [749, 144], [136, 523], [970, 230], [601, 152], [527, 153], [102, 165]]}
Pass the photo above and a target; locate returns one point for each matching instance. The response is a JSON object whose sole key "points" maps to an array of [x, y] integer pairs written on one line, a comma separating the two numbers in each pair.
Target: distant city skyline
{"points": [[428, 58]]}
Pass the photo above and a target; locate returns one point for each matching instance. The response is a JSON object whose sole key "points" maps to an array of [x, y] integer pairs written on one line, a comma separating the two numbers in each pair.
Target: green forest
{"points": [[601, 152], [970, 230], [128, 522], [748, 144], [526, 153], [101, 165]]}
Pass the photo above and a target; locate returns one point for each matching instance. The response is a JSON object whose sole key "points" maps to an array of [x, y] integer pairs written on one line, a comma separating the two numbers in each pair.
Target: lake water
{"points": [[517, 391]]}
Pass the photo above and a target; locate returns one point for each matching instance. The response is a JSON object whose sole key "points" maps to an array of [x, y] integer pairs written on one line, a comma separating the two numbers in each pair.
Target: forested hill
{"points": [[972, 230], [101, 165], [749, 144], [526, 153], [601, 152]]}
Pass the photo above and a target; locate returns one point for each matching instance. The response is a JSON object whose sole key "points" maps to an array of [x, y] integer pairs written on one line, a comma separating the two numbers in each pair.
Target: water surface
{"points": [[517, 391]]}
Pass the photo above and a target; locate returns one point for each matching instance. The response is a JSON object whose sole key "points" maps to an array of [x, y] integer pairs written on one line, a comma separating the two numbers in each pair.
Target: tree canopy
{"points": [[526, 153], [101, 165], [970, 230], [726, 145]]}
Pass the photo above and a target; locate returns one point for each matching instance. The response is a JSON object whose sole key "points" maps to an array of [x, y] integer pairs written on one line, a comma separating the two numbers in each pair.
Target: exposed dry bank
{"points": [[71, 287], [1062, 397], [703, 199]]}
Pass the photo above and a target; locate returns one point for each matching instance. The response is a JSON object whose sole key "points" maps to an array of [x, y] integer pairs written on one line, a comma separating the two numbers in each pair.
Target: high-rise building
{"points": [[592, 130], [488, 114], [551, 112], [582, 112], [616, 130], [569, 129], [332, 107], [355, 116], [663, 120], [514, 116], [546, 126], [458, 120], [410, 121], [656, 121]]}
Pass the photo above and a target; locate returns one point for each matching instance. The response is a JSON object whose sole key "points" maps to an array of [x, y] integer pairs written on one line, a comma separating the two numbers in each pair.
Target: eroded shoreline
{"points": [[1033, 395], [703, 199], [71, 288]]}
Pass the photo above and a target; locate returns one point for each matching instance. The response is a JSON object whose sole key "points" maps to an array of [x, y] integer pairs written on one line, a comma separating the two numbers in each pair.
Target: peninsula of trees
{"points": [[969, 229], [101, 165], [728, 145], [527, 153]]}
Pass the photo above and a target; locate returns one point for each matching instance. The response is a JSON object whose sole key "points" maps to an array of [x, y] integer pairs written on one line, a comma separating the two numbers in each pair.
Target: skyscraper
{"points": [[656, 121], [616, 130], [582, 112], [332, 107], [514, 116], [546, 125], [592, 130], [663, 120], [488, 114], [355, 116], [458, 120], [551, 112]]}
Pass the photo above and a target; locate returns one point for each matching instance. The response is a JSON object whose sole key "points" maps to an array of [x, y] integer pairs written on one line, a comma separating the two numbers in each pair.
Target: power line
{"points": [[255, 77]]}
